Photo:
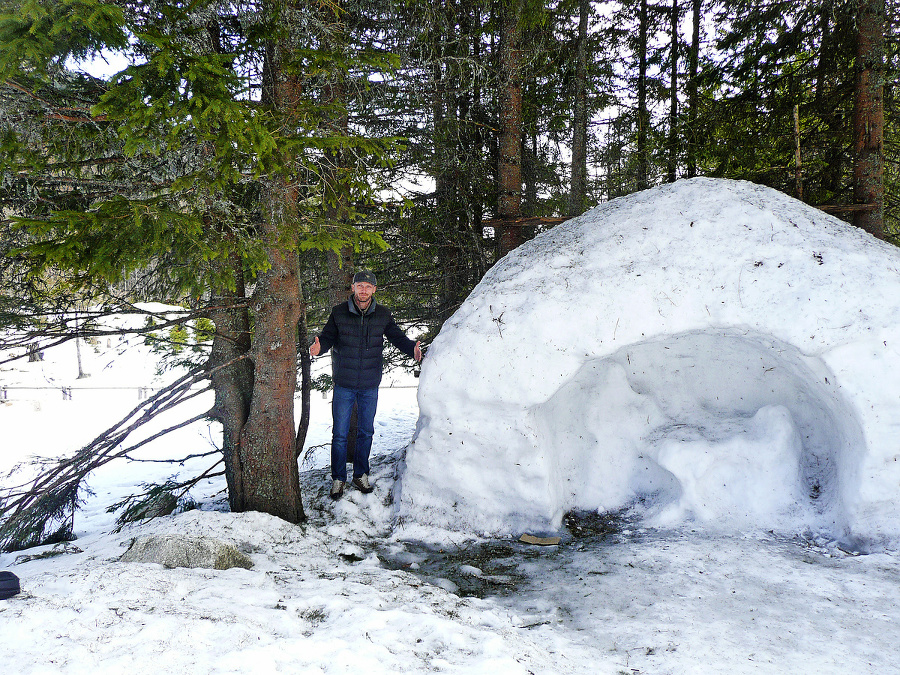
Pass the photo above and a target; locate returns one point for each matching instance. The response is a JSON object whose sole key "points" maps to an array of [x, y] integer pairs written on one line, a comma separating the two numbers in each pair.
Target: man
{"points": [[355, 333]]}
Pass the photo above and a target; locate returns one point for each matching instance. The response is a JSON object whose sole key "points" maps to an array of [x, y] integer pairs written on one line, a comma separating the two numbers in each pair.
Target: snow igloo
{"points": [[709, 351]]}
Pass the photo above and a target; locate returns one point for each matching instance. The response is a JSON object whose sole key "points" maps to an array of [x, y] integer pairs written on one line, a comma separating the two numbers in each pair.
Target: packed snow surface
{"points": [[708, 351]]}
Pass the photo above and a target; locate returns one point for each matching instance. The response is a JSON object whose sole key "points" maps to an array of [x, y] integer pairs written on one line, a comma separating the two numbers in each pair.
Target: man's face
{"points": [[363, 292]]}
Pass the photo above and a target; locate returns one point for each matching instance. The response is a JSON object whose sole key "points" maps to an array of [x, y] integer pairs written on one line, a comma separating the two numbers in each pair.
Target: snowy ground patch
{"points": [[709, 351]]}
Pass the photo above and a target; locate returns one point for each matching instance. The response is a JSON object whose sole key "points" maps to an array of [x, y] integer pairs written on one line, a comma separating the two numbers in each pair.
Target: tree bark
{"points": [[798, 155], [834, 152], [578, 186], [268, 440], [693, 91], [510, 161], [529, 178], [476, 148], [671, 169], [446, 153], [868, 117], [305, 380], [233, 384], [643, 116], [340, 275]]}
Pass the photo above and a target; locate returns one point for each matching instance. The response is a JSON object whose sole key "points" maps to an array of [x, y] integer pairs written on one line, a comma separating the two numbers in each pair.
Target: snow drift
{"points": [[709, 350]]}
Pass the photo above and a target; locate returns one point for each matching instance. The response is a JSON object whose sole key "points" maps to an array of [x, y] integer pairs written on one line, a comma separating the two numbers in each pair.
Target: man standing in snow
{"points": [[355, 333]]}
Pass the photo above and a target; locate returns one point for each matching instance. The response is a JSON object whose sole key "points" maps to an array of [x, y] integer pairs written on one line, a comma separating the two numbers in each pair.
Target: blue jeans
{"points": [[341, 408]]}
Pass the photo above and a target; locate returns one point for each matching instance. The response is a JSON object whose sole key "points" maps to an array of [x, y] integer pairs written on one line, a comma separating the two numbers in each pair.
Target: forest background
{"points": [[242, 159]]}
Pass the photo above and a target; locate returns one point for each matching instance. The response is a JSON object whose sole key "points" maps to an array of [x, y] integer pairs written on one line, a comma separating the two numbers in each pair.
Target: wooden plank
{"points": [[539, 541]]}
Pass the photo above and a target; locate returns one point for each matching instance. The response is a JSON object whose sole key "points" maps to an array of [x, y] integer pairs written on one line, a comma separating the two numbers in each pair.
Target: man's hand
{"points": [[417, 352], [315, 347]]}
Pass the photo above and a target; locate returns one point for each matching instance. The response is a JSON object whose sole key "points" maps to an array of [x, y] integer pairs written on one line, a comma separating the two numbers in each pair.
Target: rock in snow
{"points": [[184, 551], [708, 350]]}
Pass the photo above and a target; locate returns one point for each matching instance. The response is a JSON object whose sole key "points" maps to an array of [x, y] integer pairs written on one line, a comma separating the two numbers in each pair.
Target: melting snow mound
{"points": [[710, 351]]}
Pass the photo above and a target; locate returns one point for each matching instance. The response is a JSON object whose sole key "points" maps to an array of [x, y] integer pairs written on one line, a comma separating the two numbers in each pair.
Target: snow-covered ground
{"points": [[355, 589]]}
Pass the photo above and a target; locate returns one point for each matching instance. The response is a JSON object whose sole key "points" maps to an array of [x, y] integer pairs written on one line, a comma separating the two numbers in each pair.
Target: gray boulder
{"points": [[172, 550]]}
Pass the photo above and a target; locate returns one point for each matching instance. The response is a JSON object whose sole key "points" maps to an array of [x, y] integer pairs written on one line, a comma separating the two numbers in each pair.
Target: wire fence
{"points": [[68, 392], [143, 393]]}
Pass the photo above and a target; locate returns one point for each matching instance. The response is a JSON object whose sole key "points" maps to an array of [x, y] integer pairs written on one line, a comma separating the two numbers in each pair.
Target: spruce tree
{"points": [[205, 163]]}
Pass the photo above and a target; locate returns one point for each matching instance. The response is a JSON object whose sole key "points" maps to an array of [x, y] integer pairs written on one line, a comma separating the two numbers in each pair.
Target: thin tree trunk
{"points": [[671, 169], [510, 161], [81, 373], [446, 152], [305, 381], [643, 116], [693, 92], [477, 148], [529, 177], [578, 185], [798, 156], [868, 118], [234, 384], [834, 152]]}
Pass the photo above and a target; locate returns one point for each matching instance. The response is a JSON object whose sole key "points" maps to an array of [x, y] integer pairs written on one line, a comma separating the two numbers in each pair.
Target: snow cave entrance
{"points": [[722, 426]]}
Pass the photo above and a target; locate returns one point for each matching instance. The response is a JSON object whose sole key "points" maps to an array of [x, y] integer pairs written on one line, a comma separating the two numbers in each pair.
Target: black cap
{"points": [[364, 277]]}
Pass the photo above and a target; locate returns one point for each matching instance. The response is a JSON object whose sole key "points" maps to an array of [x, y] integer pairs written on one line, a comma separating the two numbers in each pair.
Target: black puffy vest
{"points": [[357, 343]]}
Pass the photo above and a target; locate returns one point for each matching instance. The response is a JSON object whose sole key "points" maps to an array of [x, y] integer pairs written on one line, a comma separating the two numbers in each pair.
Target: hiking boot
{"points": [[362, 484], [337, 489]]}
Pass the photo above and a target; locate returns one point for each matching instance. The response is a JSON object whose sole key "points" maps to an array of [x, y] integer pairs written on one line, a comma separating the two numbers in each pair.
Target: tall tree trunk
{"points": [[578, 185], [477, 149], [510, 160], [798, 155], [268, 439], [672, 167], [868, 117], [834, 152], [446, 153], [529, 178], [232, 377], [643, 116], [693, 91], [232, 383]]}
